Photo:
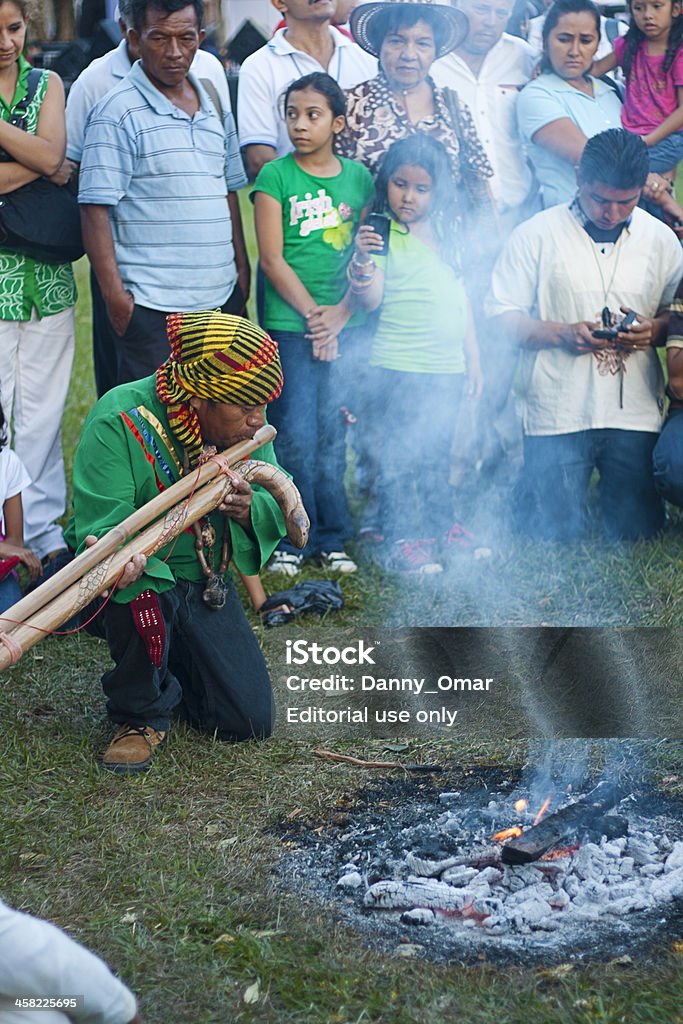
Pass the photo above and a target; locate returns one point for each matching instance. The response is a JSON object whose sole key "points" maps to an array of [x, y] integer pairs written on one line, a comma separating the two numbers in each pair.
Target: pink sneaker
{"points": [[458, 537], [416, 556]]}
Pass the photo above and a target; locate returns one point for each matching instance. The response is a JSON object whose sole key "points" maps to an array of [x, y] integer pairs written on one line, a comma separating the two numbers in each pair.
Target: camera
{"points": [[611, 327]]}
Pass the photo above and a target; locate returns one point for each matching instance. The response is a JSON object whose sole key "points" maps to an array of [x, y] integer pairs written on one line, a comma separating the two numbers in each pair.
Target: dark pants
{"points": [[557, 473], [416, 413], [144, 346], [310, 442], [212, 674], [667, 459]]}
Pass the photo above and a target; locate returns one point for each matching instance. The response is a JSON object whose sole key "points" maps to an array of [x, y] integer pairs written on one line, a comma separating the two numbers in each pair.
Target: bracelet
{"points": [[361, 271], [359, 282]]}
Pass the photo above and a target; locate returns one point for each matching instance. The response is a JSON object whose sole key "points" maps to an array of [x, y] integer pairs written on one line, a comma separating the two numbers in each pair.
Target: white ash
{"points": [[441, 875]]}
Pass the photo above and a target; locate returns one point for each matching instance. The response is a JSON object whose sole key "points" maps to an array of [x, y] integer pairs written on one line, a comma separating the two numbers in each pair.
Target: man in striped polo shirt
{"points": [[159, 177]]}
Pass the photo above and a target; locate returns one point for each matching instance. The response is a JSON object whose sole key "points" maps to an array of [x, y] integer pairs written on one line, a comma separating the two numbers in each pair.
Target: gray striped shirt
{"points": [[165, 176]]}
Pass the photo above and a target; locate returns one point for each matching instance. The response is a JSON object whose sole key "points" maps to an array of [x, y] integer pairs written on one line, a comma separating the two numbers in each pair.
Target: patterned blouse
{"points": [[26, 283], [375, 120]]}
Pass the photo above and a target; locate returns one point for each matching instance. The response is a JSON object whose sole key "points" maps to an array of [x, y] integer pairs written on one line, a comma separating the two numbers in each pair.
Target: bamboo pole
{"points": [[107, 570], [111, 541]]}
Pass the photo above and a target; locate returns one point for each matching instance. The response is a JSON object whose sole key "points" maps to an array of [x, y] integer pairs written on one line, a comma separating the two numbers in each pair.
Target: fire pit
{"points": [[472, 872]]}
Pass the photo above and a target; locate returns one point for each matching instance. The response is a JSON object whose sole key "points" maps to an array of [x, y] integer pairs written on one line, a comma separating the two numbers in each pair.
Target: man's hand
{"points": [[578, 338], [641, 334], [237, 504], [132, 570], [120, 308], [244, 281]]}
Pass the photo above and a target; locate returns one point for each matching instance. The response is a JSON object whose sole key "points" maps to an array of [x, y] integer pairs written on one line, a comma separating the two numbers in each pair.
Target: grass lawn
{"points": [[170, 876]]}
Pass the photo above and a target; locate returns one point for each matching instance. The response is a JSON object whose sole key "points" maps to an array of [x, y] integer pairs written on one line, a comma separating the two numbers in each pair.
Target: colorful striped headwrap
{"points": [[223, 358]]}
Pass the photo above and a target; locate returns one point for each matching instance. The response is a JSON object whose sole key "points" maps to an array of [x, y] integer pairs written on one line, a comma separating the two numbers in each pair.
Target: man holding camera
{"points": [[564, 285]]}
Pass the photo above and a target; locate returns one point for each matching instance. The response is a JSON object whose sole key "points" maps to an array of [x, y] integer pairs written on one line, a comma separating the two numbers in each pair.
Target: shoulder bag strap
{"points": [[214, 97]]}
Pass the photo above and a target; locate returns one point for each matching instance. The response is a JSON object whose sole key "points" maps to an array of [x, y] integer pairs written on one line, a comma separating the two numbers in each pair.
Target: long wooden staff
{"points": [[107, 570], [111, 541]]}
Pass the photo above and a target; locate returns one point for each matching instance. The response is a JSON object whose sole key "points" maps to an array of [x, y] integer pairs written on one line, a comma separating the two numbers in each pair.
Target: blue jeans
{"points": [[310, 442], [667, 459], [557, 473], [416, 413], [10, 592], [667, 154]]}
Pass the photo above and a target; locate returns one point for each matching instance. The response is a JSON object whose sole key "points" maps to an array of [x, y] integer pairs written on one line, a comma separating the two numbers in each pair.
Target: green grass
{"points": [[170, 876]]}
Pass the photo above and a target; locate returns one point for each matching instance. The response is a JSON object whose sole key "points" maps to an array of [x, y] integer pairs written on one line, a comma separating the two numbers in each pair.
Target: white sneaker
{"points": [[286, 562], [337, 561]]}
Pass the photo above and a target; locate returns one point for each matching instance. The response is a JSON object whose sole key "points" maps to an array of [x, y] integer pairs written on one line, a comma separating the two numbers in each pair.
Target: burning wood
{"points": [[560, 828]]}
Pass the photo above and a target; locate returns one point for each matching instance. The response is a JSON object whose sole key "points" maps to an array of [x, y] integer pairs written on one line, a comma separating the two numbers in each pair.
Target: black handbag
{"points": [[41, 219]]}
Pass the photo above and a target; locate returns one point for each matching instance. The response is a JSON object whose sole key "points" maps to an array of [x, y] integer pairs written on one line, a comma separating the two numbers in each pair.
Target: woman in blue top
{"points": [[565, 106]]}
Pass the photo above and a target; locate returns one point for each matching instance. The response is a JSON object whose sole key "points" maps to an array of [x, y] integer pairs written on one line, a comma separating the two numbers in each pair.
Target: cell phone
{"points": [[611, 333], [380, 223]]}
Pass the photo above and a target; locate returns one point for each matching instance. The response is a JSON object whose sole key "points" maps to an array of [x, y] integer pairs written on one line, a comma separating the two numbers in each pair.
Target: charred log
{"points": [[560, 828]]}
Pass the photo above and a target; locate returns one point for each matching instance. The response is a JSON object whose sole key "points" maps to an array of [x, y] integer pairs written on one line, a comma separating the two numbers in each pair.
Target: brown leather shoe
{"points": [[131, 749]]}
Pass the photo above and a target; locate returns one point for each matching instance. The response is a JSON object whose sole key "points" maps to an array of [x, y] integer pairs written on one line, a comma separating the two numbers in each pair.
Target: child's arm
{"points": [[605, 64], [672, 123], [475, 378], [13, 545], [325, 324], [369, 288], [268, 221]]}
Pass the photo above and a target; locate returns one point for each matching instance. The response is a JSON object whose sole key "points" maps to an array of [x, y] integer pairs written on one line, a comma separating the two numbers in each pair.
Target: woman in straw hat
{"points": [[408, 37]]}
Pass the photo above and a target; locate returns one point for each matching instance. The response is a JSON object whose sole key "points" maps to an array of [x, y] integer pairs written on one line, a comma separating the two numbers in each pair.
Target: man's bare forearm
{"points": [[99, 245], [530, 333]]}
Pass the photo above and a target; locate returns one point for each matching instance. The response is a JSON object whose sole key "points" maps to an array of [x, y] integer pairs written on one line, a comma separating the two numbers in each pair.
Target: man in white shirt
{"points": [[89, 88], [487, 70], [592, 402], [308, 43]]}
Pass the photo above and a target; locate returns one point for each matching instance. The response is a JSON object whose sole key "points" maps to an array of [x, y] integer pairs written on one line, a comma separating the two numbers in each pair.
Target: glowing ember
{"points": [[544, 808], [563, 852], [521, 806], [507, 833]]}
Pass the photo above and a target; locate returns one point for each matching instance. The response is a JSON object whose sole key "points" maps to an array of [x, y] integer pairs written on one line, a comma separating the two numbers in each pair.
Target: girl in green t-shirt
{"points": [[424, 352], [307, 207]]}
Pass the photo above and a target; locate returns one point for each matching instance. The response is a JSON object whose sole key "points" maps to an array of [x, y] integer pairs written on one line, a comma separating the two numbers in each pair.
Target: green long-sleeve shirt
{"points": [[126, 456]]}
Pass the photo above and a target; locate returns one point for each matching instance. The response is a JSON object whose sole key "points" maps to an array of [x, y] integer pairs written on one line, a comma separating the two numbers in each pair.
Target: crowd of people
{"points": [[447, 231], [429, 122]]}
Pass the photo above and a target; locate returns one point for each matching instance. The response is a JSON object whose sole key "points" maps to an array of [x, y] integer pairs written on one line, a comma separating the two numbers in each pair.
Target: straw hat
{"points": [[366, 23]]}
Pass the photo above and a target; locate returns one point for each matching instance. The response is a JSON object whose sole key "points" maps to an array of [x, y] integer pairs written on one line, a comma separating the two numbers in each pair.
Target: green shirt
{"points": [[423, 318], [125, 457], [319, 220], [26, 283]]}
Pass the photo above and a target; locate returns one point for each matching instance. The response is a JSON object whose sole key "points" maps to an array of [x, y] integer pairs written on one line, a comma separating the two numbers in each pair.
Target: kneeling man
{"points": [[594, 395], [175, 655]]}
